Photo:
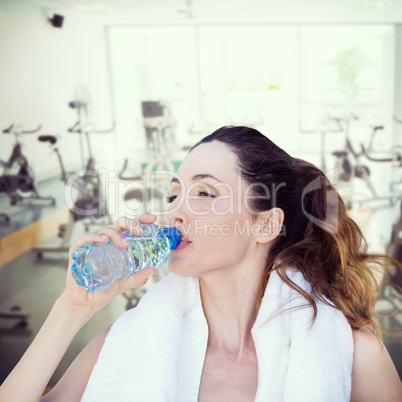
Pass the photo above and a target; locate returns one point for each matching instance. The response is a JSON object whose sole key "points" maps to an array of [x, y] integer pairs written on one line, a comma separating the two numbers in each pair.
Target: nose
{"points": [[176, 213]]}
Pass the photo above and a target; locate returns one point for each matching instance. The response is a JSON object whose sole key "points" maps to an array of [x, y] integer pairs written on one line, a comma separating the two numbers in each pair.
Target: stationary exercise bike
{"points": [[18, 178], [160, 141], [90, 196], [322, 129], [350, 166], [389, 303], [89, 204], [394, 248]]}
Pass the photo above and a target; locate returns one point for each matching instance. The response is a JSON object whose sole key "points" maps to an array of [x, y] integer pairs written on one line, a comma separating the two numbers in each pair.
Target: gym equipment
{"points": [[388, 305], [321, 129], [351, 168], [399, 121], [160, 142], [18, 178], [65, 230], [359, 170], [82, 104], [15, 313], [346, 170], [390, 294], [89, 195], [394, 248], [88, 198], [123, 175], [158, 124], [160, 137]]}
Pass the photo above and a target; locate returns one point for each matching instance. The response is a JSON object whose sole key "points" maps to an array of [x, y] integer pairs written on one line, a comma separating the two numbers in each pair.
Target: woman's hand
{"points": [[76, 296]]}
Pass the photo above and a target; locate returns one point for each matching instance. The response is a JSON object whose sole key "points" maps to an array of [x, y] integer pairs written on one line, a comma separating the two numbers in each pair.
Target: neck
{"points": [[229, 299]]}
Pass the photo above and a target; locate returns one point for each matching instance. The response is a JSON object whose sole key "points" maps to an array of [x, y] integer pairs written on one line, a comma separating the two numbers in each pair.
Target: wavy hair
{"points": [[318, 239]]}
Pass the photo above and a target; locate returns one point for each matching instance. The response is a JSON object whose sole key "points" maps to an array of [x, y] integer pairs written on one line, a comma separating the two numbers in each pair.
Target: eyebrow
{"points": [[197, 177]]}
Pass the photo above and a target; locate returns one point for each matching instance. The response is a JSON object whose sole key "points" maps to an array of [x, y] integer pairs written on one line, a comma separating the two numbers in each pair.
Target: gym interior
{"points": [[99, 97]]}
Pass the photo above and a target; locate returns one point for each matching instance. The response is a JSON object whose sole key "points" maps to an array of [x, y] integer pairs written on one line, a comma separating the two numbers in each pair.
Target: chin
{"points": [[179, 269]]}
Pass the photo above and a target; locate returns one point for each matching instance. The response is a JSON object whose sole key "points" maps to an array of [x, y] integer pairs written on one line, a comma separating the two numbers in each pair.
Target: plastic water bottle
{"points": [[98, 265]]}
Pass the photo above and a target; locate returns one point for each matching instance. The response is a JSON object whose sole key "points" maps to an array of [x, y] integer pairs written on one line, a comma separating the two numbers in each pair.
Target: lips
{"points": [[184, 243]]}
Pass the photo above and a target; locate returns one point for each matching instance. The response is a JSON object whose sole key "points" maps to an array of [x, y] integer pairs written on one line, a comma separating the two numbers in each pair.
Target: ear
{"points": [[269, 225]]}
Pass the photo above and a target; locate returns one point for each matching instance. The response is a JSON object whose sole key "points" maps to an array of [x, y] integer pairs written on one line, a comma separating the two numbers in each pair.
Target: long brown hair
{"points": [[318, 238]]}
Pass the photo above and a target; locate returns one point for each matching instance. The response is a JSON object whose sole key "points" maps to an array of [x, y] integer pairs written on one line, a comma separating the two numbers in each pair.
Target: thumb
{"points": [[138, 279]]}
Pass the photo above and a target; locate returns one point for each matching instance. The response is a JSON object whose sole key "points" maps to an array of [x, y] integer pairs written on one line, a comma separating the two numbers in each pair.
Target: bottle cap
{"points": [[174, 236]]}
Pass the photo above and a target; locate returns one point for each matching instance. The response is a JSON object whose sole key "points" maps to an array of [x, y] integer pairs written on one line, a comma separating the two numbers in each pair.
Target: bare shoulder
{"points": [[374, 377], [74, 381]]}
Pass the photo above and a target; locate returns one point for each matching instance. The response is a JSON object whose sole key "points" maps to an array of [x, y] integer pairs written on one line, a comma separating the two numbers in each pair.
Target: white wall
{"points": [[40, 68], [398, 83], [268, 77]]}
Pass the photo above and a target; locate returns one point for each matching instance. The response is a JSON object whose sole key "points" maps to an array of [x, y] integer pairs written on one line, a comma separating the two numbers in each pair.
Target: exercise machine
{"points": [[322, 129], [160, 143], [18, 178], [351, 167], [89, 198], [388, 306], [16, 313], [394, 248], [90, 205], [159, 129]]}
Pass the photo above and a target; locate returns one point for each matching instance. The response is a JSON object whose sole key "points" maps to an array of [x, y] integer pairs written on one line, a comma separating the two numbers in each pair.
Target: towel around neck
{"points": [[155, 352]]}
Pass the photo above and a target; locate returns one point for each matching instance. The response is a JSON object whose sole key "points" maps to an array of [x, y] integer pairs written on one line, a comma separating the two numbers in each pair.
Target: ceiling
{"points": [[127, 12]]}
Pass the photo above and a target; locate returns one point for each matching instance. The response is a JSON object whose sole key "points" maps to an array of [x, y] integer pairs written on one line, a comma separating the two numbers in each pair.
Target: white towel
{"points": [[155, 352]]}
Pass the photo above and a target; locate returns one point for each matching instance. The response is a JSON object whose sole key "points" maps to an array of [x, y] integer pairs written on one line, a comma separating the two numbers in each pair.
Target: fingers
{"points": [[115, 236], [89, 238], [138, 279], [124, 223], [113, 233]]}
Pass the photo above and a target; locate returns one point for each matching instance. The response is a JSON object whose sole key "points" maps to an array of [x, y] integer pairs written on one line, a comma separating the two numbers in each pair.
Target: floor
{"points": [[33, 284]]}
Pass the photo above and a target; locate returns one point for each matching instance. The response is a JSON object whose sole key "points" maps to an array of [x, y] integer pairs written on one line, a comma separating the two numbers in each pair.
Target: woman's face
{"points": [[208, 207]]}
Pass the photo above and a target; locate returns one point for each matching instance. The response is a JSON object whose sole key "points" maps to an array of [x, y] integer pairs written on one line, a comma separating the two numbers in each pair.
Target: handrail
{"points": [[397, 120], [73, 129], [9, 130], [32, 131], [365, 153]]}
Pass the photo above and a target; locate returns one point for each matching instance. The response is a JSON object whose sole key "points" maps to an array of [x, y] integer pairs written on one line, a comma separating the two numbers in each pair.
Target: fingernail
{"points": [[104, 236], [125, 241], [150, 275]]}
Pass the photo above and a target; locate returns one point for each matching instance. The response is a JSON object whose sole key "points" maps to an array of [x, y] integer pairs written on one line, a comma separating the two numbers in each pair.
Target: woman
{"points": [[260, 228]]}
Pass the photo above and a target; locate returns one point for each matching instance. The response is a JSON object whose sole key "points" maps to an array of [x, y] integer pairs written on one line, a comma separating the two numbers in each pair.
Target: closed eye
{"points": [[205, 194], [171, 198]]}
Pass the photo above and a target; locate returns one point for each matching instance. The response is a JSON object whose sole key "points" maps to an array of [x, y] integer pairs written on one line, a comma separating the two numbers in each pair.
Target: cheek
{"points": [[223, 205], [197, 207], [224, 237], [218, 241], [218, 229]]}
